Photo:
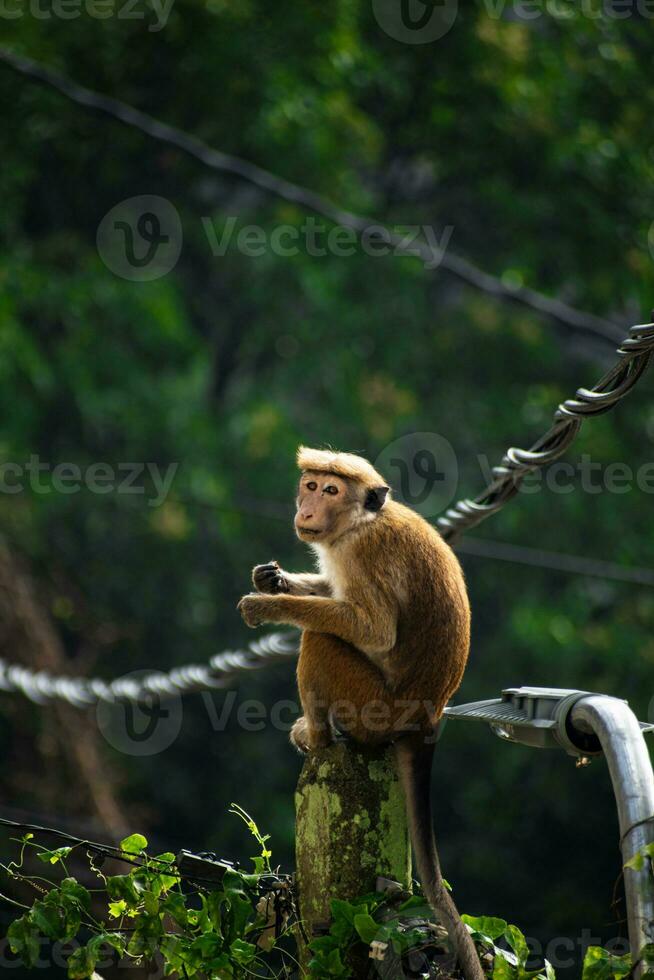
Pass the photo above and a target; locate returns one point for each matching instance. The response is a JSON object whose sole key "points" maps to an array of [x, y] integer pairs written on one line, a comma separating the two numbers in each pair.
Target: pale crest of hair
{"points": [[342, 464]]}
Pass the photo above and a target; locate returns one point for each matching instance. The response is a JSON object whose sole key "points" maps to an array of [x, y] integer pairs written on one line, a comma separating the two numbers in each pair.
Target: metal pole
{"points": [[630, 769]]}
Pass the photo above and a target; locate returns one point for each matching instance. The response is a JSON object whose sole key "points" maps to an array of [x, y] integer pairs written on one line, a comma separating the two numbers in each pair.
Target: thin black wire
{"points": [[458, 266], [115, 853]]}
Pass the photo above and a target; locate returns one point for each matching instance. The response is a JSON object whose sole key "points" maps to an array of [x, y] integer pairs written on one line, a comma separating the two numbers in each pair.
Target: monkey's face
{"points": [[327, 505]]}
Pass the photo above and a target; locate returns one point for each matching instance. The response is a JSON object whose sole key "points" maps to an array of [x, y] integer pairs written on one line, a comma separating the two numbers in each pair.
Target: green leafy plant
{"points": [[217, 932], [599, 964], [144, 912], [506, 965]]}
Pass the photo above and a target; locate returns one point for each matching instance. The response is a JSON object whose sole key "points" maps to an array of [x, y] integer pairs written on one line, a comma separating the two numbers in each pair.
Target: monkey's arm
{"points": [[307, 583], [273, 580], [372, 633]]}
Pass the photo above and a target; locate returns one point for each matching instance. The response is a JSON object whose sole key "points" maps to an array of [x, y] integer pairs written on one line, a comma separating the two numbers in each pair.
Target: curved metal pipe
{"points": [[630, 769]]}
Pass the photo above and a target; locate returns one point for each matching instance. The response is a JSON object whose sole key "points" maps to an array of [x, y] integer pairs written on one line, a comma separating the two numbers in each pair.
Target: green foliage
{"points": [[637, 862], [602, 965], [213, 934], [486, 931], [144, 912]]}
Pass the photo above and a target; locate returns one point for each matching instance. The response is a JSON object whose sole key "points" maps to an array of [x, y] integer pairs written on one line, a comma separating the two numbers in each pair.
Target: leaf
{"points": [[341, 909], [52, 857], [341, 931], [518, 944], [146, 938], [486, 926], [366, 928], [116, 909], [335, 965], [81, 963], [502, 969], [637, 863], [24, 941], [49, 919], [71, 889], [240, 908], [549, 971], [323, 944], [167, 879], [243, 952], [123, 887], [166, 858], [415, 902], [114, 939], [175, 906], [599, 964], [134, 844]]}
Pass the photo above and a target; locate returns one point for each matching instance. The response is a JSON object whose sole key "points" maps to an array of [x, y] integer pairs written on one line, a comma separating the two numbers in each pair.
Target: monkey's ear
{"points": [[375, 498]]}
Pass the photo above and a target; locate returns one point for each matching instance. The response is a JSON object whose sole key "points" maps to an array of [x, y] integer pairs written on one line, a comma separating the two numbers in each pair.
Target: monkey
{"points": [[385, 637]]}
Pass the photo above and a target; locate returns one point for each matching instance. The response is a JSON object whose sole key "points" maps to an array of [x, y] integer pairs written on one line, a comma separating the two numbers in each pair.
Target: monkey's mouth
{"points": [[309, 530]]}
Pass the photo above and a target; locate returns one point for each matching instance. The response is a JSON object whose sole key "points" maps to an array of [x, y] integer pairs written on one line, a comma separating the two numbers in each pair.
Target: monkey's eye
{"points": [[311, 485], [331, 490]]}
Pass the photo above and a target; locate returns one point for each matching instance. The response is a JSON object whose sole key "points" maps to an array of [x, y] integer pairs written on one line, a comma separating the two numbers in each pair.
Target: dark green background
{"points": [[533, 139]]}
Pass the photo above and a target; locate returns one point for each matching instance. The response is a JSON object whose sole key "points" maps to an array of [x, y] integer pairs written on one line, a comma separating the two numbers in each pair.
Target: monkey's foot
{"points": [[308, 739], [254, 609]]}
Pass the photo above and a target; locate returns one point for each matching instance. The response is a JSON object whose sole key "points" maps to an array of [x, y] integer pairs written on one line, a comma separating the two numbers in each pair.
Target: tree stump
{"points": [[351, 828]]}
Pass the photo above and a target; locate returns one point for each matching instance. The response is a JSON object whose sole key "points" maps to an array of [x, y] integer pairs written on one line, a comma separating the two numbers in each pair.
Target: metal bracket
{"points": [[537, 716]]}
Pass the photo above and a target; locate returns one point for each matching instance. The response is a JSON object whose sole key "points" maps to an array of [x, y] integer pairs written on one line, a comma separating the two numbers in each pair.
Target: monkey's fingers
{"points": [[271, 568], [269, 578]]}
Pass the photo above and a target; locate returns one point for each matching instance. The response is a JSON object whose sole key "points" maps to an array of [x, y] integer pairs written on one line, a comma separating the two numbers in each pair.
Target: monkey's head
{"points": [[338, 492]]}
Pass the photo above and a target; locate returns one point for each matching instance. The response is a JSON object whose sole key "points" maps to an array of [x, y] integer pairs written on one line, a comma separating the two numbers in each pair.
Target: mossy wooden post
{"points": [[351, 828]]}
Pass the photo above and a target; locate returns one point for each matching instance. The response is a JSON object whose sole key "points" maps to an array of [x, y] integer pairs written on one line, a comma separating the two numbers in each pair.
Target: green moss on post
{"points": [[351, 828]]}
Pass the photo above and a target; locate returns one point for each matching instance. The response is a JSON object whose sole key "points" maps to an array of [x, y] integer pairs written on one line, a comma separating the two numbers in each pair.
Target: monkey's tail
{"points": [[414, 758]]}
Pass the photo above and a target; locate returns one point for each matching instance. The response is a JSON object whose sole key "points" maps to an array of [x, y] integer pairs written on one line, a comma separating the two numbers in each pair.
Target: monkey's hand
{"points": [[269, 579], [254, 609]]}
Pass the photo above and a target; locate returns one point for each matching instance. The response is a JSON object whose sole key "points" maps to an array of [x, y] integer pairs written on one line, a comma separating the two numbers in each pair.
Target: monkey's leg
{"points": [[340, 686]]}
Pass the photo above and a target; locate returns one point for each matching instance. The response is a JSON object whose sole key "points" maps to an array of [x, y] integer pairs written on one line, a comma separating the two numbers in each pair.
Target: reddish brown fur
{"points": [[399, 569], [396, 627], [386, 632]]}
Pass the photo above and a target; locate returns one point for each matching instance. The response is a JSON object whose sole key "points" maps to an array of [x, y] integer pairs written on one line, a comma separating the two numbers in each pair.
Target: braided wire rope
{"points": [[41, 687], [634, 354]]}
